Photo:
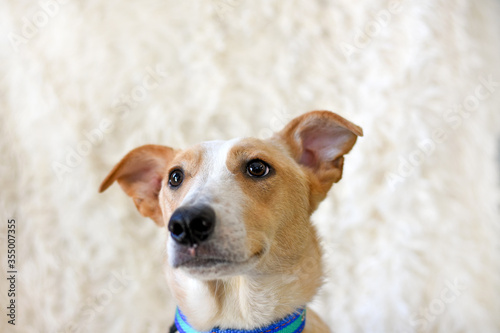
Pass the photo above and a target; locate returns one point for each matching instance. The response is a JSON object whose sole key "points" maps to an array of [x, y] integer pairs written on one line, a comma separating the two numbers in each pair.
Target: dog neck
{"points": [[268, 293]]}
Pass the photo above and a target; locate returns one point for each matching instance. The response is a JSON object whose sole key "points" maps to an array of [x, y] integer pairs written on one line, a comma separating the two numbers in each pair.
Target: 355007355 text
{"points": [[11, 271]]}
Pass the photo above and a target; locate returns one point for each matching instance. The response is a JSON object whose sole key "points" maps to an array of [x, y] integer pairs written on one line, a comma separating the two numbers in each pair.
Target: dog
{"points": [[242, 253]]}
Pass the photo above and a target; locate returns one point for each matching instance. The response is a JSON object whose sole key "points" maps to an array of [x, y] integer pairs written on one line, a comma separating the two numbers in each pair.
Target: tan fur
{"points": [[284, 269]]}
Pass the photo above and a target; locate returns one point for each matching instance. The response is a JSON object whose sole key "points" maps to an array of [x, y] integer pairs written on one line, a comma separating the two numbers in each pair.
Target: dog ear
{"points": [[318, 141], [140, 174]]}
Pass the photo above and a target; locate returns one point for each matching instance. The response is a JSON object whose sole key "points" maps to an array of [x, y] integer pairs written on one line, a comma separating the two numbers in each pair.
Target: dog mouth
{"points": [[212, 265], [203, 262], [208, 268]]}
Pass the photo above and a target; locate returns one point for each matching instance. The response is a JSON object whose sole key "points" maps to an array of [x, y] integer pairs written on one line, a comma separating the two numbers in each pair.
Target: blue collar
{"points": [[293, 323]]}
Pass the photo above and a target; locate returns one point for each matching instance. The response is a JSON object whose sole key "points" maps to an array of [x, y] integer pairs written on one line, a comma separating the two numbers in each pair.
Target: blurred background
{"points": [[411, 233]]}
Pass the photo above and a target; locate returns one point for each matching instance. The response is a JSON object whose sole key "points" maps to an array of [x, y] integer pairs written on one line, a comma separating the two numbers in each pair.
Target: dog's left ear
{"points": [[318, 141]]}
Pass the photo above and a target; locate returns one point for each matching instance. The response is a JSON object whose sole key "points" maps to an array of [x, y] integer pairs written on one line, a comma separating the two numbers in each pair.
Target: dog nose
{"points": [[192, 225]]}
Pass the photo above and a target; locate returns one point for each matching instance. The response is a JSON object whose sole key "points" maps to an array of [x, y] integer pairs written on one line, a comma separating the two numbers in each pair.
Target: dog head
{"points": [[231, 206]]}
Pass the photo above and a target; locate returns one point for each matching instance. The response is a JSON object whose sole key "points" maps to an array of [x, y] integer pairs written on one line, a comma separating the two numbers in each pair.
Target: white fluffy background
{"points": [[243, 68]]}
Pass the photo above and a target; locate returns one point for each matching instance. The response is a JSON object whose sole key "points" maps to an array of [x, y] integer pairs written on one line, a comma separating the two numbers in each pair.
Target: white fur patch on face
{"points": [[216, 186], [213, 180]]}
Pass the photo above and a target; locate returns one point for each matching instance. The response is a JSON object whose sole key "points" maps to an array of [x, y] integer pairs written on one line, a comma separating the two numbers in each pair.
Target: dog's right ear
{"points": [[140, 174]]}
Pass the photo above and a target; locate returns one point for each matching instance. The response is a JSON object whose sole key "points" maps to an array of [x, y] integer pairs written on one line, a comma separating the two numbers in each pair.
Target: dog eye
{"points": [[257, 168], [175, 178]]}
